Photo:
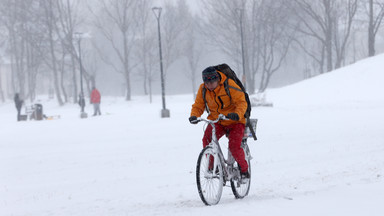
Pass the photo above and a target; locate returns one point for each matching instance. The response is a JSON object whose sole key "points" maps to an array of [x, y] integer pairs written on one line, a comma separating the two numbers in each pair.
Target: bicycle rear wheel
{"points": [[209, 179], [240, 188]]}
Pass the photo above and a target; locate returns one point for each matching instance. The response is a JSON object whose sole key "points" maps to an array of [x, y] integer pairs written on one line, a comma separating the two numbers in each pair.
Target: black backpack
{"points": [[225, 69]]}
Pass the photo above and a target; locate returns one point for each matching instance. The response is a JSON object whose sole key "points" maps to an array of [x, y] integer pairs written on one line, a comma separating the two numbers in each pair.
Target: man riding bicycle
{"points": [[219, 102]]}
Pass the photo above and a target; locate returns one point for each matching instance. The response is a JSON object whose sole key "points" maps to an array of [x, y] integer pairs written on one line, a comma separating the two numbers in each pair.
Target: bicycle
{"points": [[213, 170]]}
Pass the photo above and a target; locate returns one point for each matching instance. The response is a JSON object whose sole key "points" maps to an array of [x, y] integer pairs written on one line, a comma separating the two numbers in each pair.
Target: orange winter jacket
{"points": [[220, 103]]}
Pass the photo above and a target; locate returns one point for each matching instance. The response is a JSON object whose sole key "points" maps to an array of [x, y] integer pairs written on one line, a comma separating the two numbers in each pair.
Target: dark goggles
{"points": [[210, 78]]}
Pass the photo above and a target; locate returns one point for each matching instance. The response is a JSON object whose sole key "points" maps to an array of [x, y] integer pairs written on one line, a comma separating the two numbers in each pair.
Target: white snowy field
{"points": [[320, 152]]}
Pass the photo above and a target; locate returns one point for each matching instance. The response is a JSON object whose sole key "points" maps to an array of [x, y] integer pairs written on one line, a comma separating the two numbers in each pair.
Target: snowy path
{"points": [[319, 156], [314, 161]]}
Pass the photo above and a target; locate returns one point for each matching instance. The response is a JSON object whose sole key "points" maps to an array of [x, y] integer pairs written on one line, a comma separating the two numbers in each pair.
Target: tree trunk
{"points": [[1, 89], [371, 29], [328, 34], [74, 80], [49, 20], [128, 89], [62, 72], [150, 90], [126, 66]]}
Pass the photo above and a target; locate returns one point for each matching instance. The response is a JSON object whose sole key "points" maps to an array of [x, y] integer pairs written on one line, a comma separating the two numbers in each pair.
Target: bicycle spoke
{"points": [[209, 183]]}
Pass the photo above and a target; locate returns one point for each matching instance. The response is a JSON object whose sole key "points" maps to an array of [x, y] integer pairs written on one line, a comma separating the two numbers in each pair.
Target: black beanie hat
{"points": [[210, 74]]}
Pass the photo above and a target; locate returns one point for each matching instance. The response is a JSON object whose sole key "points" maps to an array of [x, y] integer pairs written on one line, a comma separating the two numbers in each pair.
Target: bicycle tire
{"points": [[241, 189], [209, 183]]}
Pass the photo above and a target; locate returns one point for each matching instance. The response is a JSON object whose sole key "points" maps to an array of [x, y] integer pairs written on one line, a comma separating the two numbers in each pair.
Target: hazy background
{"points": [[274, 43]]}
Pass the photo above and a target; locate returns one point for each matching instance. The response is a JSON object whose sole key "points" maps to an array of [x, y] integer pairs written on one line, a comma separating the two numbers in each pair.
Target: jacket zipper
{"points": [[218, 106]]}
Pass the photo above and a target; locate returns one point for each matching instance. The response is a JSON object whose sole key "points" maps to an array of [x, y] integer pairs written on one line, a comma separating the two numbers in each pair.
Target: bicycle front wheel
{"points": [[209, 178]]}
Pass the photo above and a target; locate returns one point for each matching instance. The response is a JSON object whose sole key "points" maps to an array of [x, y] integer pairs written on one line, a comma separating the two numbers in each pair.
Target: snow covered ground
{"points": [[320, 152]]}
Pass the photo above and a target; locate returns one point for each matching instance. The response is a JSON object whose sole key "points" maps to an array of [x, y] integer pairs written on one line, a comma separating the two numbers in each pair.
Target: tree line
{"points": [[45, 40], [328, 32]]}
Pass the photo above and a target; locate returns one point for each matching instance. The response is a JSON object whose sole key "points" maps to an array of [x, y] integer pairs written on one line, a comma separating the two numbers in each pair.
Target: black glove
{"points": [[193, 120], [233, 116]]}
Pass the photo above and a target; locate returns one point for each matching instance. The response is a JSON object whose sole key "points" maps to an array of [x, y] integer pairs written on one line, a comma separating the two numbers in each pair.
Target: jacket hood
{"points": [[223, 77]]}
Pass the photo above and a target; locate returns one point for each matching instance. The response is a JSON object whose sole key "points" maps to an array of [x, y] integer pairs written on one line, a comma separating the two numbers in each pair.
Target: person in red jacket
{"points": [[95, 100]]}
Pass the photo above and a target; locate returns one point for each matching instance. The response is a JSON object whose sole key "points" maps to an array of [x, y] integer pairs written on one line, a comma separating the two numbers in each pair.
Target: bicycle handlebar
{"points": [[221, 117]]}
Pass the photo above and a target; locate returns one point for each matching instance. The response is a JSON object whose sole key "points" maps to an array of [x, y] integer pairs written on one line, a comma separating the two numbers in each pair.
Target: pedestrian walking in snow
{"points": [[95, 100], [18, 104]]}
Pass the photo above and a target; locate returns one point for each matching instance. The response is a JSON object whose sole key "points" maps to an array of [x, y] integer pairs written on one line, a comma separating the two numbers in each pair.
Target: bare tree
{"points": [[330, 23], [344, 18], [192, 48], [274, 36], [2, 97], [223, 31], [189, 47], [376, 15], [173, 24], [50, 21], [34, 60], [315, 50], [116, 21], [266, 35], [317, 20], [69, 20], [12, 19], [147, 47], [35, 45], [37, 42], [20, 19]]}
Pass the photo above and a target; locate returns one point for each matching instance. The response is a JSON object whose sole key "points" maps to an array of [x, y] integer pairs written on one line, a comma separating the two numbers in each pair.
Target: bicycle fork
{"points": [[218, 159]]}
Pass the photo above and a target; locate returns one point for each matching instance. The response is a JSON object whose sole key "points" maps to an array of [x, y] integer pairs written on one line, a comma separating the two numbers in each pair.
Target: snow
{"points": [[320, 152]]}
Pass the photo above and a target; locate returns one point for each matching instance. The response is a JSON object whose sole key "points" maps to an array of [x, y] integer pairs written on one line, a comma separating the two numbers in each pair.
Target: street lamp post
{"points": [[82, 100], [164, 112], [242, 45]]}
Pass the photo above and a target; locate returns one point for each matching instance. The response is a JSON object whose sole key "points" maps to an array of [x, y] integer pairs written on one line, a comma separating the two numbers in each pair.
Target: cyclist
{"points": [[219, 102]]}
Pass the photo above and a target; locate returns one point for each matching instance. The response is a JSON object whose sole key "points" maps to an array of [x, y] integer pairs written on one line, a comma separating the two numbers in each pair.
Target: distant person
{"points": [[81, 101], [18, 104], [95, 100]]}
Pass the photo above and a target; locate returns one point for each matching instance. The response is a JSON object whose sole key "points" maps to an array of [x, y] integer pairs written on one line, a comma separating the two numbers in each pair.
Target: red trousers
{"points": [[235, 135]]}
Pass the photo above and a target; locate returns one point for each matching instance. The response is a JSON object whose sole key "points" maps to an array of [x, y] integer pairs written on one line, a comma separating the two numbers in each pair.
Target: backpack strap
{"points": [[232, 87], [205, 100], [227, 89], [227, 86]]}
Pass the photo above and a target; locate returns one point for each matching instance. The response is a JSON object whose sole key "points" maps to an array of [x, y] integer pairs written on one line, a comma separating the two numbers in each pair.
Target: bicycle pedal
{"points": [[240, 183], [243, 181]]}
